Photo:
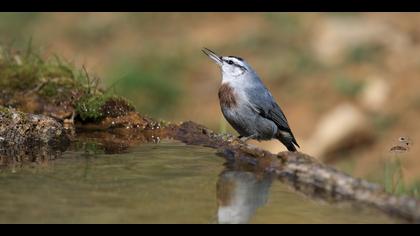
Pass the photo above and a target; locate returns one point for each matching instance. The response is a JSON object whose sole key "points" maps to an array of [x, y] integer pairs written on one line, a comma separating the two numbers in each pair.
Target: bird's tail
{"points": [[288, 140], [290, 146]]}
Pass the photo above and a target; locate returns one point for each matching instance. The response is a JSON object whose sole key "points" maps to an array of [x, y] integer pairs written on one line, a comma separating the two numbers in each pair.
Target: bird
{"points": [[248, 105]]}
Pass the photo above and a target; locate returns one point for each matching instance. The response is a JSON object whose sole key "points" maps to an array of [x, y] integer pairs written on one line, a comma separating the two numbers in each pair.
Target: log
{"points": [[302, 172], [298, 170]]}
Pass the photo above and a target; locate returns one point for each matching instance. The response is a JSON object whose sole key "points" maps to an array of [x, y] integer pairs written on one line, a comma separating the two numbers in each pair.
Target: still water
{"points": [[167, 182]]}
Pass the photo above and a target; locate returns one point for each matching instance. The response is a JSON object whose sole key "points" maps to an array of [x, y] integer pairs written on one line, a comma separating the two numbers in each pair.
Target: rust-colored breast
{"points": [[226, 96]]}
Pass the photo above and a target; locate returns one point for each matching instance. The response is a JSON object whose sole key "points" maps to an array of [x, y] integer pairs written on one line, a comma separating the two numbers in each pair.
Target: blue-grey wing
{"points": [[262, 101], [277, 115]]}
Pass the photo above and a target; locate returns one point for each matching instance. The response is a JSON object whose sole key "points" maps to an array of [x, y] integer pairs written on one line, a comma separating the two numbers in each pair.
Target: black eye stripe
{"points": [[231, 62]]}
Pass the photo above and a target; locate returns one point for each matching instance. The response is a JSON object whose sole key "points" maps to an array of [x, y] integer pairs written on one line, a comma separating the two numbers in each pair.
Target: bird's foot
{"points": [[245, 139]]}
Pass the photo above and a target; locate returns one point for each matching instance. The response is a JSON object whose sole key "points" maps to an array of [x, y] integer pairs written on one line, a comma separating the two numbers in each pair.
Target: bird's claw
{"points": [[244, 139]]}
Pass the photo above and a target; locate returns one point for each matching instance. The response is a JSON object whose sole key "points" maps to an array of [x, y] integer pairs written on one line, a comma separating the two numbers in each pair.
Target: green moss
{"points": [[28, 72], [56, 83], [58, 88], [89, 107], [8, 114], [5, 112], [116, 106], [49, 90], [96, 107], [17, 77]]}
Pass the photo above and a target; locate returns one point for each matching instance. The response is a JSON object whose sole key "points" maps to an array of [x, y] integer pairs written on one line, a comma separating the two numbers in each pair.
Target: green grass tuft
{"points": [[56, 82], [89, 107], [394, 178]]}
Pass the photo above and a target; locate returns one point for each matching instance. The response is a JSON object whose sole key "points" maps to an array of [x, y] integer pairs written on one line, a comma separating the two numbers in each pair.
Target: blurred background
{"points": [[347, 82]]}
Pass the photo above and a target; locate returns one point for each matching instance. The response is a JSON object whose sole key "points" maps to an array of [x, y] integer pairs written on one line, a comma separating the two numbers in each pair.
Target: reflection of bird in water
{"points": [[239, 194], [403, 146]]}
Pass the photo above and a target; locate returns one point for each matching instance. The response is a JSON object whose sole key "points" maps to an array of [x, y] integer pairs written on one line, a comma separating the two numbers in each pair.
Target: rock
{"points": [[375, 94], [340, 128], [28, 130]]}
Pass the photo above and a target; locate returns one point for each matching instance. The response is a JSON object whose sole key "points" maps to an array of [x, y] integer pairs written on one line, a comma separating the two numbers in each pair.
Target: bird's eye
{"points": [[230, 62]]}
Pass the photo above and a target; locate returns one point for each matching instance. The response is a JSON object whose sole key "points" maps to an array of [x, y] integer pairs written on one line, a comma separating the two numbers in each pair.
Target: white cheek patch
{"points": [[239, 71], [235, 71]]}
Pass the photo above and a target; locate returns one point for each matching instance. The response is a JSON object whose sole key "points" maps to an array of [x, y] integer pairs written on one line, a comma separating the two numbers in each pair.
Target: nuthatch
{"points": [[247, 104]]}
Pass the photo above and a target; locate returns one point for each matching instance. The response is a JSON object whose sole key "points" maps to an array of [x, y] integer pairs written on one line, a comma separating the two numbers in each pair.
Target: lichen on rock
{"points": [[29, 130]]}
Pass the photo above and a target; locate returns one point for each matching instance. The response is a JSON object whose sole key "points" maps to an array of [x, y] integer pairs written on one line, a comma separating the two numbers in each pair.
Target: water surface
{"points": [[167, 182]]}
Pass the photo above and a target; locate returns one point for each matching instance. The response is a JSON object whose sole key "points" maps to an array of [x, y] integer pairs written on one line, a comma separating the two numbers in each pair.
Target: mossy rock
{"points": [[55, 88], [97, 107]]}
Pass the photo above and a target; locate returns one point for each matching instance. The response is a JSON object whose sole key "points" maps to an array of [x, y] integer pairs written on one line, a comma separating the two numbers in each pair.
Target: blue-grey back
{"points": [[263, 101]]}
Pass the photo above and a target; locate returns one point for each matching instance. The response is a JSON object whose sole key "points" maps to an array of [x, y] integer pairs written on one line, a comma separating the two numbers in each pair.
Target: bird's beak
{"points": [[213, 56]]}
